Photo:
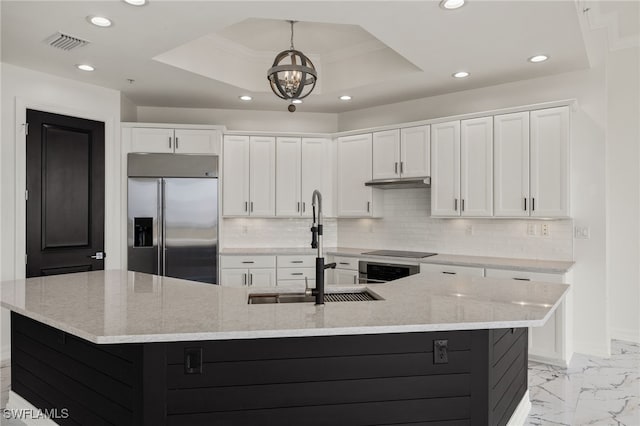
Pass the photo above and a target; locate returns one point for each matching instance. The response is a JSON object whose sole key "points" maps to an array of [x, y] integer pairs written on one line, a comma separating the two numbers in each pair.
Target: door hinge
{"points": [[26, 128], [26, 195]]}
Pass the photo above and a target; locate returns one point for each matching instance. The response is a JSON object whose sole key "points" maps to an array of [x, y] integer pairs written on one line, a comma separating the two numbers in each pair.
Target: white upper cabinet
{"points": [[445, 169], [550, 162], [262, 176], [288, 177], [402, 153], [511, 165], [354, 169], [147, 139], [195, 141], [179, 141], [316, 174], [415, 151], [386, 154], [476, 167], [235, 176]]}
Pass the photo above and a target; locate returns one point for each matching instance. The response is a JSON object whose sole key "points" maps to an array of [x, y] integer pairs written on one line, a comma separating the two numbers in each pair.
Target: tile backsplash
{"points": [[406, 225], [274, 233]]}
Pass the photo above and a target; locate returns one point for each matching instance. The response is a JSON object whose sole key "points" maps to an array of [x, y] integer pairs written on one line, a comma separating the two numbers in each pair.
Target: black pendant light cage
{"points": [[292, 75]]}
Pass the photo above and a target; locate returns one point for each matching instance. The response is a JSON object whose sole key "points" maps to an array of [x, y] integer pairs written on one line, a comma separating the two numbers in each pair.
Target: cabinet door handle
{"points": [[246, 206], [251, 207], [449, 273], [304, 206], [177, 142], [169, 141], [525, 204], [533, 204], [250, 279], [298, 207], [462, 206], [368, 206], [455, 204], [355, 279], [244, 279], [401, 167], [396, 167]]}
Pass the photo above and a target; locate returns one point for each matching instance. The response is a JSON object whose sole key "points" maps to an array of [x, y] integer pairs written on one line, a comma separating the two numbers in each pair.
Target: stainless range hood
{"points": [[397, 183]]}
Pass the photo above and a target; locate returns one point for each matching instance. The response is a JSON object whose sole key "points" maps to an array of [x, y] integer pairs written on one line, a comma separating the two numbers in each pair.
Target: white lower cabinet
{"points": [[550, 343], [345, 277], [297, 271], [248, 271], [452, 269]]}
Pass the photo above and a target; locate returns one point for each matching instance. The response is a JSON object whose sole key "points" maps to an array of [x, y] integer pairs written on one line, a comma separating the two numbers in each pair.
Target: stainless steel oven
{"points": [[381, 272]]}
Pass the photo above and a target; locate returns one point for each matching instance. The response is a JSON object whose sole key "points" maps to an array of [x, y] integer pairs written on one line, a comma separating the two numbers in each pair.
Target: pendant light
{"points": [[292, 75]]}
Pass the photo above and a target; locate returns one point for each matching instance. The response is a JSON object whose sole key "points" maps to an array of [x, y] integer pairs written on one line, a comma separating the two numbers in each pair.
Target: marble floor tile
{"points": [[591, 391]]}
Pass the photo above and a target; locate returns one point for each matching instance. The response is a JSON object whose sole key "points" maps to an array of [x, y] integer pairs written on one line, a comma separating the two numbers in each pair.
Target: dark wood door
{"points": [[65, 201]]}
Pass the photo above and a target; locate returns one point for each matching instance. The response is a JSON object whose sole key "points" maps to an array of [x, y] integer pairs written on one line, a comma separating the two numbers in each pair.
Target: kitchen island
{"points": [[118, 347]]}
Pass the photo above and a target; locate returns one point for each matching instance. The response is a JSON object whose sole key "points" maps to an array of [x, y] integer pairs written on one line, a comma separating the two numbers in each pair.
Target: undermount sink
{"points": [[342, 295]]}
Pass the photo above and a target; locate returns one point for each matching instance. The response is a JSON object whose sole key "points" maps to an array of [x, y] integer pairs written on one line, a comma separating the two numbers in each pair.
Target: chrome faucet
{"points": [[316, 242]]}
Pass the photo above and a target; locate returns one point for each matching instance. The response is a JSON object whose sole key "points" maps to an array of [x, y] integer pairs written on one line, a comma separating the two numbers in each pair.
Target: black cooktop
{"points": [[399, 253]]}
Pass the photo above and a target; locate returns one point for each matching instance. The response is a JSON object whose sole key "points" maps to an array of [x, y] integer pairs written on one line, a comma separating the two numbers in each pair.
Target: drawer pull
{"points": [[297, 273], [297, 261], [248, 261], [449, 273], [344, 263], [522, 279]]}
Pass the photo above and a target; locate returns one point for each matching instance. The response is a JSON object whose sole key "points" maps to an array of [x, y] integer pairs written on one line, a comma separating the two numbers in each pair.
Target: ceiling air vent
{"points": [[65, 41]]}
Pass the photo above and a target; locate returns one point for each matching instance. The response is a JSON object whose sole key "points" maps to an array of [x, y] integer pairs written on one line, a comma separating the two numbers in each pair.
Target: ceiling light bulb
{"points": [[85, 67], [245, 98], [345, 98], [100, 21], [136, 2], [538, 58], [461, 74], [296, 101], [451, 4]]}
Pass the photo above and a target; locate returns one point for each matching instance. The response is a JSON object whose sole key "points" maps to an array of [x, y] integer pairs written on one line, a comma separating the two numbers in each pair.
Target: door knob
{"points": [[99, 256]]}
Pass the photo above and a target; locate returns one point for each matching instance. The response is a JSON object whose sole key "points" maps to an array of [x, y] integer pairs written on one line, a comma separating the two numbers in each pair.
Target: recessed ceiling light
{"points": [[451, 4], [345, 98], [85, 67], [538, 58], [136, 2], [296, 101], [245, 98], [460, 74], [100, 21]]}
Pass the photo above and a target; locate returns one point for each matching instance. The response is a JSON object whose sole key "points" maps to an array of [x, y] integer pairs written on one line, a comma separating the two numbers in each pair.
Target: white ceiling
{"points": [[207, 53]]}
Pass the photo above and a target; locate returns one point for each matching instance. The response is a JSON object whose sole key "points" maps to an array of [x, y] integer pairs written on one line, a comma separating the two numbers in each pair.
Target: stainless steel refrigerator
{"points": [[173, 215]]}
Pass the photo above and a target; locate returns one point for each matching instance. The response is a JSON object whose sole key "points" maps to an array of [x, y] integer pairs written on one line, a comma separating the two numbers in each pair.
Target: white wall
{"points": [[128, 110], [21, 89], [249, 120], [406, 225], [623, 202], [587, 177]]}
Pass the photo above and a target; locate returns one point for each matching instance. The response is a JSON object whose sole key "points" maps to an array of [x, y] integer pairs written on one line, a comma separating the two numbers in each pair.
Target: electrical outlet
{"points": [[440, 355], [532, 229], [545, 230], [582, 232]]}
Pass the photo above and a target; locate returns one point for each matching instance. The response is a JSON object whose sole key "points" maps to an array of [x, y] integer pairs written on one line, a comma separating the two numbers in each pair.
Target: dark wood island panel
{"points": [[347, 380]]}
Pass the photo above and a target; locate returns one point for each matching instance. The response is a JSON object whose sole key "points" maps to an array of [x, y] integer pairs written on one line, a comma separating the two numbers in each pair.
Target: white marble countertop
{"points": [[129, 307], [514, 264]]}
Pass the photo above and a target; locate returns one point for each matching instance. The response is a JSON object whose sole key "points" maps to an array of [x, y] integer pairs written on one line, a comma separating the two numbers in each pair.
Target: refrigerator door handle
{"points": [[164, 229], [159, 227]]}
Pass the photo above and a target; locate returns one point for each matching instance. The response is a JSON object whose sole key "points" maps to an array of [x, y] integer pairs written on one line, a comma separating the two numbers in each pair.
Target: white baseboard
{"points": [[519, 416], [25, 412], [550, 361], [626, 334]]}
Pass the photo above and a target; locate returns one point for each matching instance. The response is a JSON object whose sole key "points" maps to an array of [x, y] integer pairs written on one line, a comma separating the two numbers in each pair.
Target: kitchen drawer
{"points": [[452, 269], [525, 276], [248, 262], [296, 273], [304, 261], [346, 262]]}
